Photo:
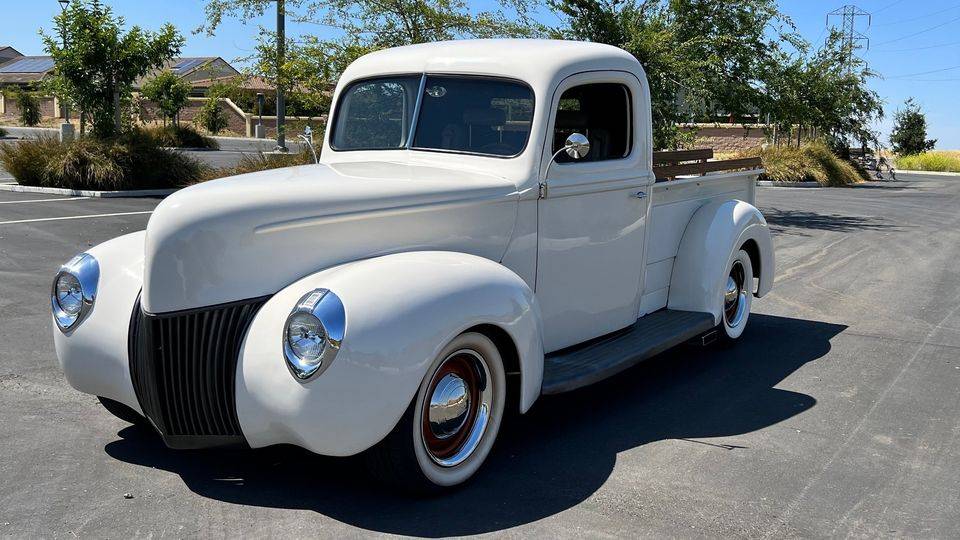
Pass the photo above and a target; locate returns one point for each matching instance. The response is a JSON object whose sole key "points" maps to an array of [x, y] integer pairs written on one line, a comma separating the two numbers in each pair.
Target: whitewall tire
{"points": [[737, 296], [450, 426]]}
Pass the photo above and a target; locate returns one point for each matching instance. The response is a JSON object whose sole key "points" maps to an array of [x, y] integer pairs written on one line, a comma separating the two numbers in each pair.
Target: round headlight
{"points": [[306, 337], [74, 291], [69, 296], [313, 333]]}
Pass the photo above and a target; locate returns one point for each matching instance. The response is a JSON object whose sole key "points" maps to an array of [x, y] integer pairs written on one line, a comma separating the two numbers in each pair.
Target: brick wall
{"points": [[236, 120], [728, 139], [11, 112]]}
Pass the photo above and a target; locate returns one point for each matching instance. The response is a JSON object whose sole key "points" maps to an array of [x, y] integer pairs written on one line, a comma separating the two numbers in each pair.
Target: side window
{"points": [[600, 111]]}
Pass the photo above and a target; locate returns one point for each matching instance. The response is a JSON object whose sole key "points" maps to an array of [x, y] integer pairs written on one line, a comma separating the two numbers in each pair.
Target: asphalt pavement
{"points": [[837, 414]]}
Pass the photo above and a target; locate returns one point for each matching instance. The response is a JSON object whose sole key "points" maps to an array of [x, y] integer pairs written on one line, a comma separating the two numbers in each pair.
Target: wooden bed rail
{"points": [[669, 165]]}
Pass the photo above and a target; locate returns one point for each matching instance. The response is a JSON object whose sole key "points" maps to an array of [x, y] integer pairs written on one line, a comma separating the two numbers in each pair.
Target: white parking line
{"points": [[45, 200], [73, 217]]}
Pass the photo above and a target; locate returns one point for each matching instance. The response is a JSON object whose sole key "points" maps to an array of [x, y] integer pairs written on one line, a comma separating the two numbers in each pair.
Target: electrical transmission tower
{"points": [[852, 39]]}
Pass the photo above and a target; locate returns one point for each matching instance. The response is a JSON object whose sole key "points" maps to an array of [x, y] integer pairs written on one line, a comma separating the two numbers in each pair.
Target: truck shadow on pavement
{"points": [[791, 221], [546, 461]]}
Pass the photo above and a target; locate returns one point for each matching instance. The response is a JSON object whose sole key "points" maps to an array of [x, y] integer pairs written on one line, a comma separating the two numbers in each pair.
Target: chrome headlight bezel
{"points": [[328, 310], [85, 268]]}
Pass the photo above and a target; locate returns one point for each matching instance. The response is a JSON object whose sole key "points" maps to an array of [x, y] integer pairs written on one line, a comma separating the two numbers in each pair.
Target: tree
{"points": [[909, 135], [169, 93], [98, 67], [211, 116], [29, 106], [827, 93], [311, 64], [703, 58]]}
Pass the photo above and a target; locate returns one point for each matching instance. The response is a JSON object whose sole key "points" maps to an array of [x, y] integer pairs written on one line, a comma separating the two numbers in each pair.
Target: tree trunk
{"points": [[116, 112]]}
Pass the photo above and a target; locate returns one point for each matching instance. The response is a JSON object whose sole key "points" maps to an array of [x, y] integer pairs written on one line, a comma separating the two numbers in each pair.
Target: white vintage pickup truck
{"points": [[484, 226]]}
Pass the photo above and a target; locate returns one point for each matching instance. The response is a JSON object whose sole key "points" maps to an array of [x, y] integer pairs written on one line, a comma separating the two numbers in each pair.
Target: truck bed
{"points": [[672, 205]]}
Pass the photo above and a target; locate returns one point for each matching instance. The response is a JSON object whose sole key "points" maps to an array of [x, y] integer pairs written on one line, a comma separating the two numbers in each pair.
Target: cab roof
{"points": [[539, 62]]}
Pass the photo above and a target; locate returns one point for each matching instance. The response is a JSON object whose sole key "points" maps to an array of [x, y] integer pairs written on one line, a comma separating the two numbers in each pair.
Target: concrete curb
{"points": [[768, 183], [86, 193], [926, 173]]}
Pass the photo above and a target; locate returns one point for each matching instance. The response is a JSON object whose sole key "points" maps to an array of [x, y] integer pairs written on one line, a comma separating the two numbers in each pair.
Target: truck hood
{"points": [[251, 235]]}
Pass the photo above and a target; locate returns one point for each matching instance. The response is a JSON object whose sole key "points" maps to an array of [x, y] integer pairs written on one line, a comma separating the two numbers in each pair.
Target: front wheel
{"points": [[449, 428], [737, 296]]}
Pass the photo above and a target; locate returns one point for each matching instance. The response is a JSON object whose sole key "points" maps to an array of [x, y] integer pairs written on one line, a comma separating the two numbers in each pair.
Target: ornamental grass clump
{"points": [[930, 161], [130, 161], [179, 136], [813, 162]]}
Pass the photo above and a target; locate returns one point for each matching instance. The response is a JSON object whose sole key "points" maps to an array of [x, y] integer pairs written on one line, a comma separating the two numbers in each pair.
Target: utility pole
{"points": [[281, 59], [852, 39]]}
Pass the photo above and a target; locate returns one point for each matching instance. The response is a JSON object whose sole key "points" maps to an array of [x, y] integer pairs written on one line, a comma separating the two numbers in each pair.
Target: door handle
{"points": [[639, 195]]}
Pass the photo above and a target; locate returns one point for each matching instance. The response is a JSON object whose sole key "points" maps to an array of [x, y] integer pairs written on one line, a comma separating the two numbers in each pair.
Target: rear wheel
{"points": [[122, 412], [448, 430], [737, 296]]}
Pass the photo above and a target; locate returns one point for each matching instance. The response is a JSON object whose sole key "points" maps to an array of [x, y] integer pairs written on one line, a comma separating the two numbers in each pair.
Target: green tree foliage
{"points": [[29, 105], [825, 91], [211, 116], [100, 63], [168, 92], [703, 58], [909, 135], [311, 65]]}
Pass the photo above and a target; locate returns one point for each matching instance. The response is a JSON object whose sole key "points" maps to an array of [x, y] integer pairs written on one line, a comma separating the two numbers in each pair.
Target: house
{"points": [[24, 70], [8, 53], [19, 70]]}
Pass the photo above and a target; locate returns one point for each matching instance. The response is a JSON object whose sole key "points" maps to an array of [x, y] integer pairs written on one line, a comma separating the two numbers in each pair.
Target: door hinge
{"points": [[543, 190]]}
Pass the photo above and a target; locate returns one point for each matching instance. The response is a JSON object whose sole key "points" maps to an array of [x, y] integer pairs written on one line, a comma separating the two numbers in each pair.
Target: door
{"points": [[592, 212]]}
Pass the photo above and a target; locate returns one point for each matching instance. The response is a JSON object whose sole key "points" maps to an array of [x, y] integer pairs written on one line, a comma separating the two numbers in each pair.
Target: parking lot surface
{"points": [[837, 414]]}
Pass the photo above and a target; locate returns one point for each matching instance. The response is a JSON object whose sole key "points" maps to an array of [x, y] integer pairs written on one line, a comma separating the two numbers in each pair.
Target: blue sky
{"points": [[914, 44]]}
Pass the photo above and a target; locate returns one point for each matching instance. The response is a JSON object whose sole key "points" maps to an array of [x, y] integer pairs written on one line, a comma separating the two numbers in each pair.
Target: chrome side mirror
{"points": [[577, 146]]}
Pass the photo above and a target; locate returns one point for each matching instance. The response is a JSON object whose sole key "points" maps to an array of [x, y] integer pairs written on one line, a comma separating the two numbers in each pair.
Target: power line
{"points": [[924, 31], [901, 21], [888, 6], [953, 44], [951, 68]]}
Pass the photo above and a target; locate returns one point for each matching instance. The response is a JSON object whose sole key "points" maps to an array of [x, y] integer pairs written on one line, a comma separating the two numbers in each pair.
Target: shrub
{"points": [[131, 161], [3, 132], [29, 106], [931, 161], [812, 162], [169, 93], [175, 136], [211, 116], [259, 162]]}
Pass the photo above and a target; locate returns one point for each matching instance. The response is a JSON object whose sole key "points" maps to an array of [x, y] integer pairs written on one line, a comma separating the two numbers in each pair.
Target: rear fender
{"points": [[712, 237], [401, 310]]}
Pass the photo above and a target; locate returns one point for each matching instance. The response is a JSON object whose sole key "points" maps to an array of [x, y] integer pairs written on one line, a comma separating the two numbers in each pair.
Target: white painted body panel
{"points": [[421, 246], [401, 310], [251, 235], [94, 355]]}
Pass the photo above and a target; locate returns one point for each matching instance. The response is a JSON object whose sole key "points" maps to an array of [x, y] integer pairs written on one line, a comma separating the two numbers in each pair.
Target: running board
{"points": [[598, 359]]}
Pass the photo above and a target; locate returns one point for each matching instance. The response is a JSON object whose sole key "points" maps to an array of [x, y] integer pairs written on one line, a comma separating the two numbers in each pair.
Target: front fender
{"points": [[400, 312], [714, 234], [94, 354]]}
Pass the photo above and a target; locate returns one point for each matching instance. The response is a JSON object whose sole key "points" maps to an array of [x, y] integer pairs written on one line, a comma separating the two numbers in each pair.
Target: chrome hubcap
{"points": [[735, 296], [455, 416], [449, 406]]}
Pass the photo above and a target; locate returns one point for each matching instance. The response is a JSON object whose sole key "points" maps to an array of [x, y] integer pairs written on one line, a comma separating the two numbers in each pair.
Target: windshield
{"points": [[455, 114]]}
